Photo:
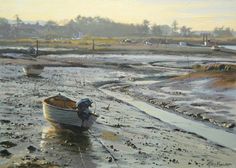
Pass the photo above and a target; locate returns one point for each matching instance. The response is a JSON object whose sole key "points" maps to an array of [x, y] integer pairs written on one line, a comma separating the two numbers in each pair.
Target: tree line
{"points": [[96, 26]]}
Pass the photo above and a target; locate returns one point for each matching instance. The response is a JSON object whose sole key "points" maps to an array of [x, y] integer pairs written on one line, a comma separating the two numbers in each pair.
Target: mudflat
{"points": [[124, 136]]}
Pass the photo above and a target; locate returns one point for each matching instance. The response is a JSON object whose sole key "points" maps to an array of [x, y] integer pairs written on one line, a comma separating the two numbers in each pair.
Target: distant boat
{"points": [[33, 70], [61, 112], [215, 48]]}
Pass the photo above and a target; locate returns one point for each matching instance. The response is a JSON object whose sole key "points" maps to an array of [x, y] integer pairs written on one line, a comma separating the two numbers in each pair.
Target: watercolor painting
{"points": [[117, 83]]}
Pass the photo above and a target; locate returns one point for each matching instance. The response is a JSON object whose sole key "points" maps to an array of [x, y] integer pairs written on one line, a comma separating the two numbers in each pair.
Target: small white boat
{"points": [[61, 112], [215, 48], [33, 70]]}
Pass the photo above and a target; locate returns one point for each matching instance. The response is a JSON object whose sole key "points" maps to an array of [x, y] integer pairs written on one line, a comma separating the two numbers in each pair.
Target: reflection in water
{"points": [[73, 141], [69, 149]]}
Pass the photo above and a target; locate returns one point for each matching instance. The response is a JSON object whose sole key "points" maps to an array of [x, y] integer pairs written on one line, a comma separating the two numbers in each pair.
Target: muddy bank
{"points": [[175, 97], [124, 50], [206, 93], [188, 107], [41, 61], [217, 67], [220, 80], [212, 134], [132, 137]]}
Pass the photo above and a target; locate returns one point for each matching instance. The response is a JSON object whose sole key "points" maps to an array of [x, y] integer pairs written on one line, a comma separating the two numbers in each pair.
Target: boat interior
{"points": [[62, 102], [36, 66]]}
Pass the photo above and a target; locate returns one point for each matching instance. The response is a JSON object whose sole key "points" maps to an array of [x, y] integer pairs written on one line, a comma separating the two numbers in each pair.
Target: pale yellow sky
{"points": [[199, 14]]}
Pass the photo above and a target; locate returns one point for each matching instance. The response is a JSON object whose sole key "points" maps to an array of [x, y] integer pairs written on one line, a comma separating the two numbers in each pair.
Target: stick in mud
{"points": [[189, 70], [108, 151]]}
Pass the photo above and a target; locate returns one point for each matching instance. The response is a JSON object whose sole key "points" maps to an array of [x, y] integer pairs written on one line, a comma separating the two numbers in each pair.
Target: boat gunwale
{"points": [[65, 109], [34, 66]]}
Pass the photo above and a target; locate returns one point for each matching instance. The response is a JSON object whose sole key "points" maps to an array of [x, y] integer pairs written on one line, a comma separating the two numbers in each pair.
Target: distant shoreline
{"points": [[115, 45], [120, 50]]}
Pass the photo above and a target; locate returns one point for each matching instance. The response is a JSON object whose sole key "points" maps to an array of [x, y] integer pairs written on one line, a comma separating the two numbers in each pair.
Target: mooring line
{"points": [[113, 157], [81, 156]]}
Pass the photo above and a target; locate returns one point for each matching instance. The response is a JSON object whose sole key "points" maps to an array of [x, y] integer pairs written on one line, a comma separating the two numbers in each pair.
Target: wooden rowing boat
{"points": [[33, 70], [61, 112]]}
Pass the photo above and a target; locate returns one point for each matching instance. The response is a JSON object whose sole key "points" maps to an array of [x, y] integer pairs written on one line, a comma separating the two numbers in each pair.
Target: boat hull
{"points": [[66, 118], [32, 70]]}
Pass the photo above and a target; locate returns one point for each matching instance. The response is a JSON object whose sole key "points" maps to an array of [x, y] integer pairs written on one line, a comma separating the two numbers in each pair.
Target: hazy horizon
{"points": [[200, 15]]}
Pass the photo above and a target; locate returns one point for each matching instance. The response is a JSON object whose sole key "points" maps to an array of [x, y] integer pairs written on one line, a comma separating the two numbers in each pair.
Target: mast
{"points": [[37, 47]]}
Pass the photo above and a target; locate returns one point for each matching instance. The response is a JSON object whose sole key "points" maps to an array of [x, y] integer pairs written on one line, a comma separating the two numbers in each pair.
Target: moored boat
{"points": [[33, 70], [62, 112], [215, 48]]}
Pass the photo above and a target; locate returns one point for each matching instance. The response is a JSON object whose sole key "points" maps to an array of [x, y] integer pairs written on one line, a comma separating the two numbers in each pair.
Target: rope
{"points": [[81, 157], [107, 150]]}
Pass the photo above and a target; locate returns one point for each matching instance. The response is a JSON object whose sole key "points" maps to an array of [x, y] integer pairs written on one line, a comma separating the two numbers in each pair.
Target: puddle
{"points": [[215, 135], [111, 136], [145, 82]]}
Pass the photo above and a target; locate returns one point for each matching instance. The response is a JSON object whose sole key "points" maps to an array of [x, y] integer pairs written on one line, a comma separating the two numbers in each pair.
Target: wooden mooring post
{"points": [[37, 47], [93, 45]]}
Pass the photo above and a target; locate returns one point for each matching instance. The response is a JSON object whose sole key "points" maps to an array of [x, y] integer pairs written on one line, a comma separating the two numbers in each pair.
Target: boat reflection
{"points": [[72, 141]]}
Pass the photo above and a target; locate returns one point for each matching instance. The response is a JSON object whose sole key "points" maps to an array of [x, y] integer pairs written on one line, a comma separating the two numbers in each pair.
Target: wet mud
{"points": [[123, 136]]}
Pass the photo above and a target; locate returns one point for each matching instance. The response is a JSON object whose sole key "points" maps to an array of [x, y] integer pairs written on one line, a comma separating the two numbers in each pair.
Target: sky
{"points": [[198, 14]]}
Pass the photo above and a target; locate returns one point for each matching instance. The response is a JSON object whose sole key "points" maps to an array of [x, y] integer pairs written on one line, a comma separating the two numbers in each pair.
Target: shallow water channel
{"points": [[215, 135]]}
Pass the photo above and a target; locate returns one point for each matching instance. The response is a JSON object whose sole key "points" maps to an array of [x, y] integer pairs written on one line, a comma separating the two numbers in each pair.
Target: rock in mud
{"points": [[34, 164], [170, 106], [5, 121], [31, 149], [179, 149], [27, 157], [129, 143], [5, 153], [7, 144], [109, 159], [229, 125]]}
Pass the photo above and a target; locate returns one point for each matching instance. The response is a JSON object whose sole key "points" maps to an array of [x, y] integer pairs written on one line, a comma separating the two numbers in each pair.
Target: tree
{"points": [[71, 28], [51, 30], [166, 30], [95, 26], [4, 27], [37, 23], [3, 21], [223, 32], [145, 27], [51, 23], [156, 30], [185, 31], [174, 27], [18, 20]]}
